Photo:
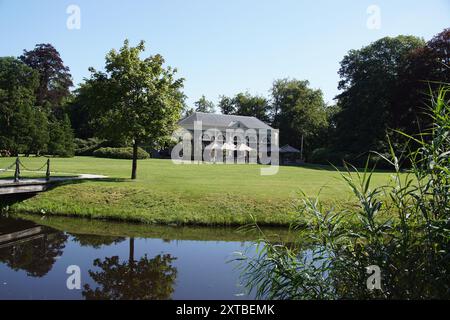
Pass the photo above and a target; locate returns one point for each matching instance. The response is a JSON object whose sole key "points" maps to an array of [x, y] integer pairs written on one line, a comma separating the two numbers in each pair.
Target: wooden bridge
{"points": [[18, 185]]}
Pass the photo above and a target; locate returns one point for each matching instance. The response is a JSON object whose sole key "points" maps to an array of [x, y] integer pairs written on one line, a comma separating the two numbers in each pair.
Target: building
{"points": [[242, 137], [290, 155]]}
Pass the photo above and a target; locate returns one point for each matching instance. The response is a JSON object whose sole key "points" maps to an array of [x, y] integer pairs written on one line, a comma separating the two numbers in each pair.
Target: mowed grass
{"points": [[184, 194]]}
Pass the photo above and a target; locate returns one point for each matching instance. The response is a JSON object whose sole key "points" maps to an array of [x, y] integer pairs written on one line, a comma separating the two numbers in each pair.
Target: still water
{"points": [[117, 260]]}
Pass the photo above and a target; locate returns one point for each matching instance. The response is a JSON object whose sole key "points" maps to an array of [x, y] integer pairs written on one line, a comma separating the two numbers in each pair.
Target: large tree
{"points": [[52, 93], [22, 127], [204, 105], [423, 71], [54, 77], [299, 112], [246, 104], [226, 105], [369, 77], [137, 100]]}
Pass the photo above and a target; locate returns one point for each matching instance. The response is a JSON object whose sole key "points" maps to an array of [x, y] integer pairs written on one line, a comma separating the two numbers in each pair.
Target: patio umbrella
{"points": [[244, 147], [229, 146], [214, 146]]}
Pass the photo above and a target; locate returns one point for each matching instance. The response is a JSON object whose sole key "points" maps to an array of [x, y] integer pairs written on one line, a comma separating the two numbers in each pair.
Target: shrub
{"points": [[120, 153], [5, 153]]}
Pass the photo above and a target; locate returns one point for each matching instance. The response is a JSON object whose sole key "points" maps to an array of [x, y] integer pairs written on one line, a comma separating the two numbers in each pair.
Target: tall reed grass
{"points": [[403, 228]]}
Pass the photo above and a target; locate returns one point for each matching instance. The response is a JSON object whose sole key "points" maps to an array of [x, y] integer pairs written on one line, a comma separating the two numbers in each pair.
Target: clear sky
{"points": [[220, 46]]}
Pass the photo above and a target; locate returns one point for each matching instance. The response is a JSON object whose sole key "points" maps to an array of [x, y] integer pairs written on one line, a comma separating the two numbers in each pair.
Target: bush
{"points": [[5, 153], [120, 153]]}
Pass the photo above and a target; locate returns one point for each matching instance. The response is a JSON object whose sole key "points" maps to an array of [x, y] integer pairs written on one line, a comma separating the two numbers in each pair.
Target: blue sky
{"points": [[219, 46]]}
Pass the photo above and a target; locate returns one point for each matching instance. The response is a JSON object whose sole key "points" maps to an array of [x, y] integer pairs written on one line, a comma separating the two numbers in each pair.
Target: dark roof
{"points": [[223, 120], [288, 149]]}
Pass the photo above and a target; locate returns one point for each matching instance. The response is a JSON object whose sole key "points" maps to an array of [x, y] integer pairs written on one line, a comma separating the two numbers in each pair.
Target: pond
{"points": [[40, 258]]}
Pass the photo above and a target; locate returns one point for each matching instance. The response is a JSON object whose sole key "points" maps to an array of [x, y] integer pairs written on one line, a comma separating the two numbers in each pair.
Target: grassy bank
{"points": [[185, 194]]}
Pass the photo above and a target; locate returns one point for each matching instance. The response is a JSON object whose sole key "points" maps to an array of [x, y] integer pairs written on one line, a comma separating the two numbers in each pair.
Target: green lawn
{"points": [[184, 194]]}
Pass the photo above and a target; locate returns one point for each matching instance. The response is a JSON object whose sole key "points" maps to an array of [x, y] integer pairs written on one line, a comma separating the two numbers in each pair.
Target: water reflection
{"points": [[23, 244], [96, 241], [149, 279], [34, 259]]}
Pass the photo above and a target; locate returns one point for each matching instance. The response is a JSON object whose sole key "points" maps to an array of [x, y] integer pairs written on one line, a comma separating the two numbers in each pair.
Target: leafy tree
{"points": [[187, 112], [138, 100], [226, 105], [252, 106], [81, 112], [204, 105], [17, 85], [369, 77], [424, 70], [49, 127], [298, 111], [245, 104], [39, 134], [61, 138], [54, 77]]}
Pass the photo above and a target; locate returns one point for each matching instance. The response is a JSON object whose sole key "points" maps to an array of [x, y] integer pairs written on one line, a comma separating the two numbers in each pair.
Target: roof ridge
{"points": [[249, 121]]}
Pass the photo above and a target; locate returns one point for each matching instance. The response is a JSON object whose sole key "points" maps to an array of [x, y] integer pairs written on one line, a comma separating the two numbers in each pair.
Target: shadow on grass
{"points": [[10, 199], [56, 184], [324, 167]]}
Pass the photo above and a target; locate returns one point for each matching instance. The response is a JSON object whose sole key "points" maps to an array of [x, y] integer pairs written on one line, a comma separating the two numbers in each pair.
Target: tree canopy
{"points": [[298, 111], [32, 93], [22, 127], [204, 105], [245, 104], [55, 79], [369, 78], [137, 100]]}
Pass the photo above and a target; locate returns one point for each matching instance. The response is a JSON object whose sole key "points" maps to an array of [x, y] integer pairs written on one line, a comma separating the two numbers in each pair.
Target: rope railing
{"points": [[18, 164]]}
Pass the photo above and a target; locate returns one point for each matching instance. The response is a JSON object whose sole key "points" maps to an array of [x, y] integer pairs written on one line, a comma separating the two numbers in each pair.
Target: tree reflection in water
{"points": [[96, 241], [142, 279], [35, 255]]}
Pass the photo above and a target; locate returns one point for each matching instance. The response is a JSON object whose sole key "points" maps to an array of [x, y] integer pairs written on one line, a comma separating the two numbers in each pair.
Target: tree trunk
{"points": [[135, 154], [131, 252]]}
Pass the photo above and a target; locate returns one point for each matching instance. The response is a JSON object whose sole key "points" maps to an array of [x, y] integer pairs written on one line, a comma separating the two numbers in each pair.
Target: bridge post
{"points": [[17, 172], [47, 174]]}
